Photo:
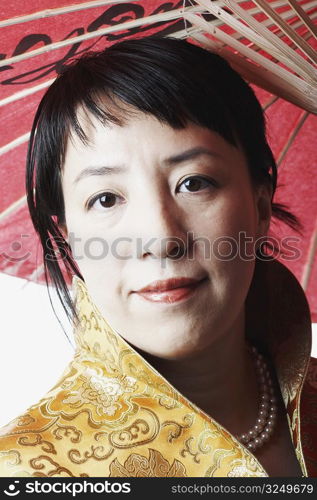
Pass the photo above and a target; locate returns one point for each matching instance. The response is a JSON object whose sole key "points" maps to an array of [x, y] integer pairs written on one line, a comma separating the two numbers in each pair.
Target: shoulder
{"points": [[23, 443], [308, 417], [310, 383], [36, 443], [69, 426]]}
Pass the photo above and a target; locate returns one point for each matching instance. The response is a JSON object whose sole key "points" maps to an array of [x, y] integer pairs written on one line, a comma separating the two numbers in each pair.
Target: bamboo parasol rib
{"points": [[260, 54], [304, 17], [57, 12], [270, 43], [294, 80], [287, 30], [276, 80], [181, 34], [259, 34]]}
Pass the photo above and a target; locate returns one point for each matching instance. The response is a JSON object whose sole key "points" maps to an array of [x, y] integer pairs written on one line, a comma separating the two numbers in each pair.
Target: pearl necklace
{"points": [[267, 415]]}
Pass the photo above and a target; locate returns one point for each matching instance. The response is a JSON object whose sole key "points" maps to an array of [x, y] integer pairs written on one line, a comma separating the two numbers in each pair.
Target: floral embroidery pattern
{"points": [[101, 391], [139, 466], [245, 468], [110, 414]]}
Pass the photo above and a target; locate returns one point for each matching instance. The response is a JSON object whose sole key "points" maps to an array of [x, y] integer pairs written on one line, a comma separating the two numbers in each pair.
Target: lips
{"points": [[171, 291], [170, 284]]}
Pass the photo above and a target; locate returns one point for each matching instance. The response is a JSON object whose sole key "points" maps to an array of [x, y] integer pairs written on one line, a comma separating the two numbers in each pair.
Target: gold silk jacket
{"points": [[111, 414]]}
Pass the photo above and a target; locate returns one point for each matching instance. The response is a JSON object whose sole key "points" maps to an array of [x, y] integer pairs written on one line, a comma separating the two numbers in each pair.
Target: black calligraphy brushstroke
{"points": [[30, 41], [108, 17], [55, 67], [114, 15], [4, 68]]}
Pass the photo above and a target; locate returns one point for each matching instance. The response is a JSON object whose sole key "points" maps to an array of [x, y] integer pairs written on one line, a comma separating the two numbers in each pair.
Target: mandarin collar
{"points": [[278, 321]]}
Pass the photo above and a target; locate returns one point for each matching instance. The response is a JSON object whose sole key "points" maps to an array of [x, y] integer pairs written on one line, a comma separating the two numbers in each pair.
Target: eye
{"points": [[197, 183], [106, 200]]}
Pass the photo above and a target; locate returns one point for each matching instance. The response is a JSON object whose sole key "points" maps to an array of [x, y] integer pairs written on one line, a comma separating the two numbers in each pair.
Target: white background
{"points": [[34, 349]]}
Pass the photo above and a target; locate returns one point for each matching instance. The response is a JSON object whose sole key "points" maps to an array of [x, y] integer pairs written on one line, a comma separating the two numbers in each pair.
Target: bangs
{"points": [[116, 84], [170, 79]]}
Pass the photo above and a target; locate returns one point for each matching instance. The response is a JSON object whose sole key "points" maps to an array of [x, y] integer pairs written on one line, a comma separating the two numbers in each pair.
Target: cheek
{"points": [[239, 213], [229, 226], [228, 251], [94, 256]]}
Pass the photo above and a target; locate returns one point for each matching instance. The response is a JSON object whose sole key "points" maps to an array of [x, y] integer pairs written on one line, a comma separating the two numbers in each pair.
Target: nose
{"points": [[162, 234]]}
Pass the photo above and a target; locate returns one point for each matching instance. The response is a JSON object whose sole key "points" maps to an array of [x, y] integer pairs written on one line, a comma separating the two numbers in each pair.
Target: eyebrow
{"points": [[189, 154]]}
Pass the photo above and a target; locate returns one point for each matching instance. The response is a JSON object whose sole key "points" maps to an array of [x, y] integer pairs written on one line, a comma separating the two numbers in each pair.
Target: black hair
{"points": [[168, 78]]}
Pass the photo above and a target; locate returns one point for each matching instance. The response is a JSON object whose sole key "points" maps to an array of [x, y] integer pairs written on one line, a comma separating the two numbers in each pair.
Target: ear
{"points": [[264, 208]]}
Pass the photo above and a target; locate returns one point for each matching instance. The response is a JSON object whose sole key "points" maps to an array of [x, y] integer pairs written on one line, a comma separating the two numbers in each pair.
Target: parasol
{"points": [[271, 43]]}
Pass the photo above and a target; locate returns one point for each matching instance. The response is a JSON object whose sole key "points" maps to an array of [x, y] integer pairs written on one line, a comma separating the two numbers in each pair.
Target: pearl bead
{"points": [[264, 436], [267, 430], [251, 446], [263, 413], [260, 421], [267, 414], [258, 441]]}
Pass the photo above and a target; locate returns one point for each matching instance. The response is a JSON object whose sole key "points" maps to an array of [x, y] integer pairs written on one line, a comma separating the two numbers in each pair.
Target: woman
{"points": [[150, 178]]}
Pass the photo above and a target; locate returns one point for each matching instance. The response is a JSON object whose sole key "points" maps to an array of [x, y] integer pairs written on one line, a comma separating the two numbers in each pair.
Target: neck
{"points": [[220, 379]]}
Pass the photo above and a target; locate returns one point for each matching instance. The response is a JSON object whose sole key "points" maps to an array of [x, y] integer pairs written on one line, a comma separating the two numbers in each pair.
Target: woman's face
{"points": [[132, 196]]}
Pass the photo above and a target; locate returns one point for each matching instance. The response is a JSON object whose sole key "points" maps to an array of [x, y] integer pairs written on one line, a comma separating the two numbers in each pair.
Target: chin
{"points": [[176, 354]]}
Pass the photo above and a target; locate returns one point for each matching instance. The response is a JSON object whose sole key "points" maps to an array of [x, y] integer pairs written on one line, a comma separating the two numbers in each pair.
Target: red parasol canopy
{"points": [[39, 38]]}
